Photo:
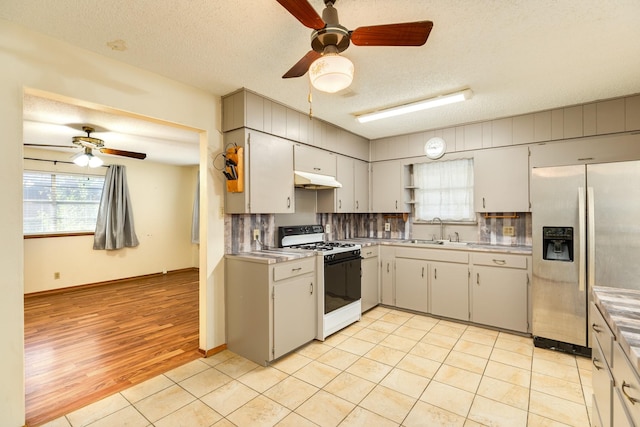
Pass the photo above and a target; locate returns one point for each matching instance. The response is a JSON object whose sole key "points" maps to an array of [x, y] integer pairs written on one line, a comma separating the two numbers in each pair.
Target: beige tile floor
{"points": [[391, 368]]}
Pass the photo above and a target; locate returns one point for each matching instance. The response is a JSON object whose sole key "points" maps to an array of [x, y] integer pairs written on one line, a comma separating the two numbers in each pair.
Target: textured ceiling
{"points": [[517, 56]]}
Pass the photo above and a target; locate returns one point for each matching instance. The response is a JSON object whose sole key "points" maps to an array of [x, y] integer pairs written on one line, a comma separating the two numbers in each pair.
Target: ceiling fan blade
{"points": [[403, 34], [302, 66], [48, 145], [123, 153], [304, 12]]}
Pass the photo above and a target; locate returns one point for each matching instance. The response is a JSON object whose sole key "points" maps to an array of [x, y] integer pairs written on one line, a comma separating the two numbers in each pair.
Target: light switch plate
{"points": [[508, 231], [327, 228]]}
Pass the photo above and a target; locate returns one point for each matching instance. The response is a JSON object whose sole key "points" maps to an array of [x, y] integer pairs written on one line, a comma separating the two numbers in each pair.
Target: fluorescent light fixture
{"points": [[416, 106]]}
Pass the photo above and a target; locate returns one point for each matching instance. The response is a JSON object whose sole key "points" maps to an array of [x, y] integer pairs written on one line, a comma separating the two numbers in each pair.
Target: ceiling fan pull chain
{"points": [[310, 99]]}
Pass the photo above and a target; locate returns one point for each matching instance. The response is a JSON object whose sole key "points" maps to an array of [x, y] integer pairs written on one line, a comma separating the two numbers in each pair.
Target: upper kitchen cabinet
{"points": [[244, 108], [314, 160], [268, 169], [353, 196], [501, 181], [387, 182], [361, 186]]}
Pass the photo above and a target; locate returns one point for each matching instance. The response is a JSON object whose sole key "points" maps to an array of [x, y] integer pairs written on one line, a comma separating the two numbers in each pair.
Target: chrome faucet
{"points": [[441, 226]]}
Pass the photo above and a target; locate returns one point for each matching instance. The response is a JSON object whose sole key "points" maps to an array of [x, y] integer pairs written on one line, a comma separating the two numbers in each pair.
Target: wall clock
{"points": [[435, 147]]}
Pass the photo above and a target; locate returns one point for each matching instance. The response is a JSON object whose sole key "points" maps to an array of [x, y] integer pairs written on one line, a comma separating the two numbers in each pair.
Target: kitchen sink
{"points": [[436, 242]]}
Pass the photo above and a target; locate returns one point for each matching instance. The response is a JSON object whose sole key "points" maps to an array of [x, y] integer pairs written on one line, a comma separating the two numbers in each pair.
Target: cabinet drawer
{"points": [[369, 251], [601, 332], [433, 254], [286, 270], [627, 383], [500, 260]]}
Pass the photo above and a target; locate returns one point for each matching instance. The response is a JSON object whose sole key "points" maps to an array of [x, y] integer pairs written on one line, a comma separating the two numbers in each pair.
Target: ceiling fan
{"points": [[329, 71], [90, 143]]}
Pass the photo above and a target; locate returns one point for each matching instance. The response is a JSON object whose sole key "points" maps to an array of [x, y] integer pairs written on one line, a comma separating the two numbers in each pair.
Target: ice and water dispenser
{"points": [[557, 243]]}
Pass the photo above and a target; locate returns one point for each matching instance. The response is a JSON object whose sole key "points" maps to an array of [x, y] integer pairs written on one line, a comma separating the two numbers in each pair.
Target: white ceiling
{"points": [[517, 56]]}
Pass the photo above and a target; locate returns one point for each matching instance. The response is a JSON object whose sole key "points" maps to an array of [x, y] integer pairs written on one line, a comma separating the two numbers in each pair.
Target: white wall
{"points": [[35, 63], [162, 199]]}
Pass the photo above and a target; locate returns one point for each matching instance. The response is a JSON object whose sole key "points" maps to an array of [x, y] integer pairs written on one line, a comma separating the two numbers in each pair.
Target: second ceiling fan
{"points": [[330, 72]]}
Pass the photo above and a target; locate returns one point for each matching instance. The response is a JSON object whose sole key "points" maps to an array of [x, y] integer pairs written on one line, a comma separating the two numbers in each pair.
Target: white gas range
{"points": [[338, 272]]}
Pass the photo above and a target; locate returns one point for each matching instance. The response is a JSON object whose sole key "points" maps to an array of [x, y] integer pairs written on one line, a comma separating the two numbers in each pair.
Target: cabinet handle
{"points": [[422, 271], [594, 364], [296, 269], [483, 206], [369, 253], [340, 204], [357, 205], [478, 279], [288, 202], [317, 169], [595, 328], [396, 204], [311, 288], [500, 261], [435, 273], [387, 267], [633, 400]]}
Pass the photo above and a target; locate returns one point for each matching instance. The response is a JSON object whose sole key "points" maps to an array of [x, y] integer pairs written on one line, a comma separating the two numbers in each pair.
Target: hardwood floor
{"points": [[84, 344]]}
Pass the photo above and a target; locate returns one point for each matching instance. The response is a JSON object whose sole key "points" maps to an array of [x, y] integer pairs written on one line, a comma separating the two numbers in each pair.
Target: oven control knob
{"points": [[356, 252], [329, 257]]}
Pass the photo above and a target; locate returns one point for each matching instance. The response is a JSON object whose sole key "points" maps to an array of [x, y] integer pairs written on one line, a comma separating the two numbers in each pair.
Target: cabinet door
{"points": [[411, 277], [499, 297], [450, 290], [387, 289], [387, 189], [345, 176], [370, 289], [271, 174], [314, 160], [294, 314], [501, 180], [602, 383], [361, 186]]}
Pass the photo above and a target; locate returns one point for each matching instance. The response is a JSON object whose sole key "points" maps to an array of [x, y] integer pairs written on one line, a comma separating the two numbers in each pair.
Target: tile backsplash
{"points": [[239, 228]]}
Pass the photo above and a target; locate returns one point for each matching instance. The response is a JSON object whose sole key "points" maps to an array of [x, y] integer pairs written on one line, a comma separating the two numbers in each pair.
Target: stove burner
{"points": [[324, 246]]}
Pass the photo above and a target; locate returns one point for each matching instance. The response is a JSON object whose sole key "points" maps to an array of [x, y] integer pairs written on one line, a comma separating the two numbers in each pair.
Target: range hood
{"points": [[314, 181]]}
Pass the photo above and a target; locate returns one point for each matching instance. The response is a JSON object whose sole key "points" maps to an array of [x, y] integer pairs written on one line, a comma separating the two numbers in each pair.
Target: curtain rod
{"points": [[58, 161]]}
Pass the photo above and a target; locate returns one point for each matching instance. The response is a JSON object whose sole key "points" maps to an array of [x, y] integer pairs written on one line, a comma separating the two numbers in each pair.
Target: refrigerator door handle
{"points": [[591, 238], [582, 213]]}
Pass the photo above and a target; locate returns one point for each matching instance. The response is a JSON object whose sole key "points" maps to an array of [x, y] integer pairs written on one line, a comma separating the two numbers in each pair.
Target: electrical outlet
{"points": [[508, 231], [164, 271], [387, 226], [56, 275], [327, 228], [256, 234]]}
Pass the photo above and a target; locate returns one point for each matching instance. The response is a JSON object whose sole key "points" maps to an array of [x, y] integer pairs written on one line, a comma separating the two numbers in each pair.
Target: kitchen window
{"points": [[444, 189], [60, 204]]}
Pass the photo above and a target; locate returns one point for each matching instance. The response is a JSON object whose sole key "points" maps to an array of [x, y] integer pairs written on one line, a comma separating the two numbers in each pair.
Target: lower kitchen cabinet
{"points": [[500, 289], [270, 308], [450, 290], [412, 284], [387, 267], [370, 286]]}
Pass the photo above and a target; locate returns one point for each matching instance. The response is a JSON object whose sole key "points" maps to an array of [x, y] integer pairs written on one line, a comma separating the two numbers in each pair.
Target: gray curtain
{"points": [[114, 227], [195, 216]]}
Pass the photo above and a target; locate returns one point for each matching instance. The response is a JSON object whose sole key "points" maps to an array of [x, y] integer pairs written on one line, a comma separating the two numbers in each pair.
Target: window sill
{"points": [[40, 236]]}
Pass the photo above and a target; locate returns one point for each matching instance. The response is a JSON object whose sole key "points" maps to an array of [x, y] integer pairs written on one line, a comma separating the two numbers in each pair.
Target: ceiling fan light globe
{"points": [[95, 162], [81, 159], [331, 73]]}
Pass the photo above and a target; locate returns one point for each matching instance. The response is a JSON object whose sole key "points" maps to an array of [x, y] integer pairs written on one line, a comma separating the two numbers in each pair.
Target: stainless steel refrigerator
{"points": [[586, 232]]}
